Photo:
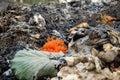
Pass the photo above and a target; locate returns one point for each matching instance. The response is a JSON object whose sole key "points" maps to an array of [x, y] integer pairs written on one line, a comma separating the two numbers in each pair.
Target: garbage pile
{"points": [[89, 28]]}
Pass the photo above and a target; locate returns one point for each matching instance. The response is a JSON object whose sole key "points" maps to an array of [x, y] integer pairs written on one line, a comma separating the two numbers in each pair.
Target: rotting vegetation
{"points": [[24, 26]]}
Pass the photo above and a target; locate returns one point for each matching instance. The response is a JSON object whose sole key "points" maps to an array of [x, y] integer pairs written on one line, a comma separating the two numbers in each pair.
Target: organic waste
{"points": [[54, 44], [43, 65], [85, 45]]}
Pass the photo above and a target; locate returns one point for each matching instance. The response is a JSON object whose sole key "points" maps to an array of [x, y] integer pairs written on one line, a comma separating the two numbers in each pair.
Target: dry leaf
{"points": [[95, 40], [81, 25], [106, 19], [20, 18], [94, 52]]}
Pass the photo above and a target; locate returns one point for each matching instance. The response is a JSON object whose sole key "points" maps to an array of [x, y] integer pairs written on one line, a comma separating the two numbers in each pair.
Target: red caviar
{"points": [[54, 44]]}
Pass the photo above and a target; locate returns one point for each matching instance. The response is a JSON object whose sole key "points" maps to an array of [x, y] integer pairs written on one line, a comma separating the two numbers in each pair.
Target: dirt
{"points": [[15, 33]]}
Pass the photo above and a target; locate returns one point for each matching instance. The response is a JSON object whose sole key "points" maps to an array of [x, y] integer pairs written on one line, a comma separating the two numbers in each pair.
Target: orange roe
{"points": [[54, 44]]}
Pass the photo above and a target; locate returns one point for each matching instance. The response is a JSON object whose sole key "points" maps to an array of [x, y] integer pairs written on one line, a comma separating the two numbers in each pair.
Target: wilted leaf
{"points": [[94, 52], [106, 19], [31, 64], [20, 18], [81, 25]]}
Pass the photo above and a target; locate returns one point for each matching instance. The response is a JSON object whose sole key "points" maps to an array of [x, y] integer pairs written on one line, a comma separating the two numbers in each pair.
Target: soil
{"points": [[15, 33]]}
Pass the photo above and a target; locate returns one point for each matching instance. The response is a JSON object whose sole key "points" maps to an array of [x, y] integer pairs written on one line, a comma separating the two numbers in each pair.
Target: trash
{"points": [[35, 36], [89, 43], [54, 44], [88, 67], [32, 64], [20, 18], [81, 25], [8, 72], [108, 19], [37, 20], [110, 52], [114, 37]]}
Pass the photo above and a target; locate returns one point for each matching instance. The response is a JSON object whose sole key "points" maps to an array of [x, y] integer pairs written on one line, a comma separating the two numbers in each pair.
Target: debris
{"points": [[94, 52], [88, 67], [35, 36], [114, 37], [37, 20], [58, 34], [110, 52], [8, 72], [83, 69], [54, 44], [107, 19], [20, 18], [81, 25], [91, 48], [32, 64]]}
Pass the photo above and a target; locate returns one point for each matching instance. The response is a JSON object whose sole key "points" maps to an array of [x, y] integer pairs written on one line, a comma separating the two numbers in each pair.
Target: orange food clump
{"points": [[54, 44]]}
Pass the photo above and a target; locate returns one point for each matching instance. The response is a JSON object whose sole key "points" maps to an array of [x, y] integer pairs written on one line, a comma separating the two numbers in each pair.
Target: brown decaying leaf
{"points": [[81, 25], [20, 18], [106, 19], [95, 40], [94, 52]]}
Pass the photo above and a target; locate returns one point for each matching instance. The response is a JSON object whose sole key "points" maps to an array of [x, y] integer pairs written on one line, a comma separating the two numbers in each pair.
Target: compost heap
{"points": [[89, 28]]}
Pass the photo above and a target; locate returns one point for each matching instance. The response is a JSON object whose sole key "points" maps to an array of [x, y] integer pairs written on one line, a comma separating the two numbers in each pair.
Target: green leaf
{"points": [[29, 64]]}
